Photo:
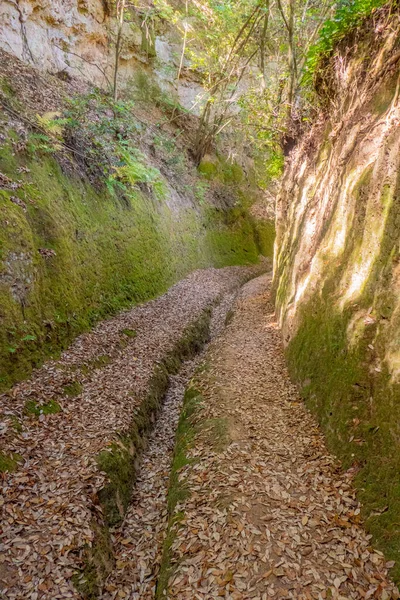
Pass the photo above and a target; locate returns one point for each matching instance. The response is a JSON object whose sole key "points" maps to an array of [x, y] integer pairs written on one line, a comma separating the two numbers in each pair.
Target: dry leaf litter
{"points": [[139, 542], [269, 514], [47, 502]]}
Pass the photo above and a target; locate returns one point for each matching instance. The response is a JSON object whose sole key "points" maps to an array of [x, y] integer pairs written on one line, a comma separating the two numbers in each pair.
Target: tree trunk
{"points": [[118, 44], [263, 43]]}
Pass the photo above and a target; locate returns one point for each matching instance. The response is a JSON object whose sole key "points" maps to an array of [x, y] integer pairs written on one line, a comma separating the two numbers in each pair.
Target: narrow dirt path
{"points": [[56, 423], [268, 513], [139, 542]]}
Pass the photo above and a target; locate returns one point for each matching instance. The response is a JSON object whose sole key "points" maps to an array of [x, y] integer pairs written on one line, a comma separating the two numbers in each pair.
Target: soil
{"points": [[139, 542], [268, 513]]}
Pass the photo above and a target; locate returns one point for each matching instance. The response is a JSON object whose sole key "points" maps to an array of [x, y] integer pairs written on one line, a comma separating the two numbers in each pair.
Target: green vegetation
{"points": [[349, 14], [217, 168], [86, 252], [34, 408], [358, 411], [120, 460], [130, 333], [9, 462], [177, 491], [134, 171], [190, 427], [339, 357], [264, 233], [73, 389], [100, 361], [89, 225], [100, 564]]}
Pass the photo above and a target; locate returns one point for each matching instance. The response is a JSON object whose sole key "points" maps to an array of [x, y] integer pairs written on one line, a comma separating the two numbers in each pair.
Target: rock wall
{"points": [[54, 34], [88, 225], [337, 267], [75, 37]]}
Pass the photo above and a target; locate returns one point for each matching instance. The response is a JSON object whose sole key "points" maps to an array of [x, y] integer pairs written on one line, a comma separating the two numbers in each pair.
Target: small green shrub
{"points": [[274, 165], [132, 171], [40, 142]]}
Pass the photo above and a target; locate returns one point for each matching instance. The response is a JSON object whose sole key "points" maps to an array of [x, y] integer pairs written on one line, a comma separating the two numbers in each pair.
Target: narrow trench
{"points": [[139, 541]]}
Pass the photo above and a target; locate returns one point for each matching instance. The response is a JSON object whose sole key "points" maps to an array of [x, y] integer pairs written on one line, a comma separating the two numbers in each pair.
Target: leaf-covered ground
{"points": [[139, 542], [54, 425], [267, 512], [256, 507]]}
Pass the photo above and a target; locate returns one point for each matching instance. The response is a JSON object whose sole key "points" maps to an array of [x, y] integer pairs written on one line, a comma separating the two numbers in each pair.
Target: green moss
{"points": [[208, 169], [9, 462], [264, 234], [177, 490], [32, 407], [217, 433], [120, 460], [359, 412], [99, 563], [218, 168], [107, 256], [232, 173], [190, 427], [230, 237], [334, 355], [101, 361], [16, 424], [383, 97], [118, 463], [73, 389], [131, 333], [6, 87]]}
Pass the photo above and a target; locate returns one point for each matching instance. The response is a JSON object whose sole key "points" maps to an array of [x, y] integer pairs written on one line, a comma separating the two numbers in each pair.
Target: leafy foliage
{"points": [[349, 14], [132, 170]]}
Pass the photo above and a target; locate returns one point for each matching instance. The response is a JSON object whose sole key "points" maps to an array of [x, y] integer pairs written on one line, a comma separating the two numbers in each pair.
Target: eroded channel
{"points": [[138, 543]]}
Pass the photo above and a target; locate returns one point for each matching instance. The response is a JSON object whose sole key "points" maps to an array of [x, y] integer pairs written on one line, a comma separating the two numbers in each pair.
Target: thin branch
{"points": [[184, 44], [102, 71]]}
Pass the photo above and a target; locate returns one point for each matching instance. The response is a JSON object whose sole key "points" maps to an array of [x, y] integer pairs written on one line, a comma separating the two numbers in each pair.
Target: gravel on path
{"points": [[269, 514]]}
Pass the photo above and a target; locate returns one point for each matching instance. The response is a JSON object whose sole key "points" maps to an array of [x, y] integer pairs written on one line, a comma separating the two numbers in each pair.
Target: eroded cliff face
{"points": [[53, 35], [77, 38], [337, 267]]}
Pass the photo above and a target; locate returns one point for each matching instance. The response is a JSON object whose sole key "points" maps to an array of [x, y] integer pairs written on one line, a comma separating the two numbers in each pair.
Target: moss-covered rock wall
{"points": [[71, 254], [101, 207], [337, 277]]}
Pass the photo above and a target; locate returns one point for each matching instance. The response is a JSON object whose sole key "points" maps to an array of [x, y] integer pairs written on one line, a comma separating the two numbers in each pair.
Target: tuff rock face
{"points": [[75, 38], [337, 276], [59, 35]]}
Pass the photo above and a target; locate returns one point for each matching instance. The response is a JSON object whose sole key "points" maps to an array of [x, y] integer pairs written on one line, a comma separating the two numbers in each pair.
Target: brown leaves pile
{"points": [[139, 542], [269, 515], [47, 503]]}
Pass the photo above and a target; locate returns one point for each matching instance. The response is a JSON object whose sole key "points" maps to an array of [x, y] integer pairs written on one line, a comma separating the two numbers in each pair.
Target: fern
{"points": [[132, 171]]}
